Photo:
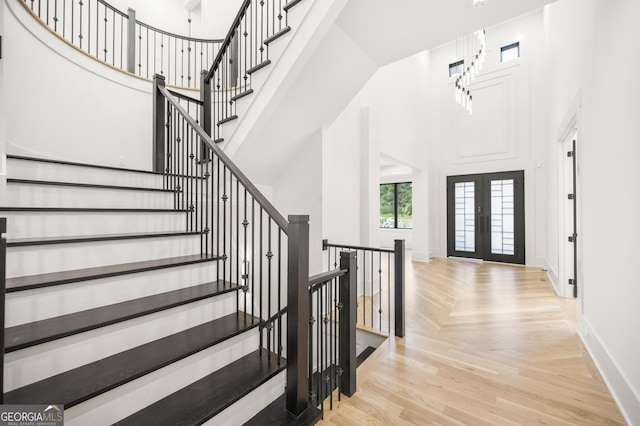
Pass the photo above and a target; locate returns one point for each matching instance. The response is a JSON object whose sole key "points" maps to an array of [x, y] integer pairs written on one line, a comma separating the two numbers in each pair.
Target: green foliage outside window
{"points": [[396, 213]]}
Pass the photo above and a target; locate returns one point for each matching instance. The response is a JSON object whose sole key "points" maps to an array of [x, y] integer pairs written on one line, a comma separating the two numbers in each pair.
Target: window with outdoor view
{"points": [[396, 209]]}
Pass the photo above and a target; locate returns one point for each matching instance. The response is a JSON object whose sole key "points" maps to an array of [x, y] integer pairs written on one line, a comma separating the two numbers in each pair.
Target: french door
{"points": [[485, 216]]}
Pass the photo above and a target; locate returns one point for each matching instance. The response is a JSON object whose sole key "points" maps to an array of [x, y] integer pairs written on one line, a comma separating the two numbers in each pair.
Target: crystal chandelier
{"points": [[473, 55]]}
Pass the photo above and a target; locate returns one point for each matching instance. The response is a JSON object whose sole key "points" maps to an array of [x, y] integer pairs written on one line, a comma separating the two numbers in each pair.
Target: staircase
{"points": [[112, 310]]}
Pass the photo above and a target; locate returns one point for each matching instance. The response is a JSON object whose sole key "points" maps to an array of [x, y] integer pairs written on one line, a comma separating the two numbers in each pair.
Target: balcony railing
{"points": [[117, 39]]}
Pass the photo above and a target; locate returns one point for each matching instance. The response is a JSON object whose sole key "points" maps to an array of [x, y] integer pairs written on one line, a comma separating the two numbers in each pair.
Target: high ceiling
{"points": [[389, 30]]}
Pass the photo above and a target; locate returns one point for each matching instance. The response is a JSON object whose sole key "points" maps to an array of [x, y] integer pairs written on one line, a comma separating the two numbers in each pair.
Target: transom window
{"points": [[510, 52]]}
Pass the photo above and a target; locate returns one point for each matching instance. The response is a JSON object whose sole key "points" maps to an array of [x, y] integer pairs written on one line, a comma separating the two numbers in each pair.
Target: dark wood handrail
{"points": [[321, 278], [326, 244], [242, 178], [227, 40]]}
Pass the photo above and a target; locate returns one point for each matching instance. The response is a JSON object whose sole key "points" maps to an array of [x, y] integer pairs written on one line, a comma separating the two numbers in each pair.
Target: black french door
{"points": [[485, 216]]}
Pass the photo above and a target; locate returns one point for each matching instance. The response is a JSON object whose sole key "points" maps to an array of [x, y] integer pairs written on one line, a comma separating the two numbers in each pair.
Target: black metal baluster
{"points": [[89, 28], [188, 63], [364, 288], [310, 354], [218, 221], [106, 23], [55, 16], [262, 25], [182, 62], [339, 305], [121, 40], [238, 240], [269, 256], [224, 225], [72, 21], [147, 54], [380, 290], [245, 273], [330, 338], [80, 36], [389, 293], [318, 348], [371, 300], [230, 227], [253, 252], [47, 20], [321, 323], [155, 48], [261, 263], [279, 294]]}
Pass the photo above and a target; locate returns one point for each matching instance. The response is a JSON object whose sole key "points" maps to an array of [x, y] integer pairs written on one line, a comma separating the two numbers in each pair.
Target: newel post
{"points": [[398, 275], [348, 312], [205, 111], [297, 398], [159, 113], [3, 270], [131, 41]]}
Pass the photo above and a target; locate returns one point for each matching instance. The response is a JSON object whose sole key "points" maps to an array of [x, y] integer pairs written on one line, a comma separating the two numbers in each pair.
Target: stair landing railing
{"points": [[119, 40], [380, 285]]}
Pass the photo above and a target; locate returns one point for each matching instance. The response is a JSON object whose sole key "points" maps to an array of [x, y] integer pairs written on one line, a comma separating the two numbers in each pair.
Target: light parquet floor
{"points": [[486, 344]]}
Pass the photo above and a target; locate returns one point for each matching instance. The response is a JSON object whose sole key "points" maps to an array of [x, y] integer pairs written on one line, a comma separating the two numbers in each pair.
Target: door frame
{"points": [[482, 228]]}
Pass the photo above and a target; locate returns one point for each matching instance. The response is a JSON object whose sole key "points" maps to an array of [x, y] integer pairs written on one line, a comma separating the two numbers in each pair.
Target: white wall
{"points": [[386, 118], [593, 50], [53, 87], [168, 15], [3, 121], [298, 190], [500, 134]]}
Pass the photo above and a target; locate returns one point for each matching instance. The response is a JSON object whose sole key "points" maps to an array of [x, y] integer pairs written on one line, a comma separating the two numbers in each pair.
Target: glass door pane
{"points": [[465, 222], [502, 217]]}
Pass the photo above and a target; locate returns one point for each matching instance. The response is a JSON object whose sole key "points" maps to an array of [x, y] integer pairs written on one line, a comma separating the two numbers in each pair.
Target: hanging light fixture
{"points": [[474, 50]]}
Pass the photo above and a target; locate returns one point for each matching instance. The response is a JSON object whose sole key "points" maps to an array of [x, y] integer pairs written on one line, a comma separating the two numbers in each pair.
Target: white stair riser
{"points": [[35, 170], [30, 195], [66, 224], [42, 303], [41, 361], [34, 260], [246, 408], [125, 400]]}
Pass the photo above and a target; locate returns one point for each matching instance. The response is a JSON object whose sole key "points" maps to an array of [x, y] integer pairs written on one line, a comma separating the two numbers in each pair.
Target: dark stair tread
{"points": [[80, 384], [72, 163], [205, 398], [276, 414], [242, 95], [277, 35], [76, 275], [259, 66], [88, 185], [35, 241], [88, 210], [227, 119], [31, 334], [94, 166], [290, 4], [366, 353]]}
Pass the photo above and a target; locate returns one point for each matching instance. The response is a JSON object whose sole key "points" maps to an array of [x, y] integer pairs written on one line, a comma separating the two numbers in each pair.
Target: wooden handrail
{"points": [[233, 168]]}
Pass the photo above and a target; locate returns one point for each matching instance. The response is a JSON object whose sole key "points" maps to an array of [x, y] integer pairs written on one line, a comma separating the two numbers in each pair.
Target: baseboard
{"points": [[626, 397], [552, 275]]}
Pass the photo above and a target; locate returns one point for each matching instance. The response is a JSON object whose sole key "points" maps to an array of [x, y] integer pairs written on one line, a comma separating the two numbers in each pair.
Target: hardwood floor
{"points": [[486, 344]]}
